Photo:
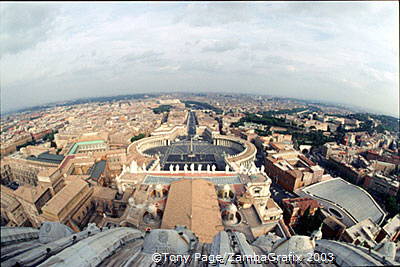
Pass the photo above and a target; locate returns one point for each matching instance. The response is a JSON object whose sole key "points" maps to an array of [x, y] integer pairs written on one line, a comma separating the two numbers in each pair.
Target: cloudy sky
{"points": [[343, 52]]}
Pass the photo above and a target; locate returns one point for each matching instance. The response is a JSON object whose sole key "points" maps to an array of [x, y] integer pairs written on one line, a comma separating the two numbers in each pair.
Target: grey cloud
{"points": [[269, 46], [326, 9], [144, 57], [200, 66], [220, 46], [293, 49], [276, 60], [23, 25], [207, 14]]}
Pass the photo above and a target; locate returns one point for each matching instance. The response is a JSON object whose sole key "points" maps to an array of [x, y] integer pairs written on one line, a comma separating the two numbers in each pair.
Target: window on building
{"points": [[257, 190]]}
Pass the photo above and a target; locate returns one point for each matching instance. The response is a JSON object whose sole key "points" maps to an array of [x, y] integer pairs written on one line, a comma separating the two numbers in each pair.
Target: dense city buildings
{"points": [[199, 134], [240, 173]]}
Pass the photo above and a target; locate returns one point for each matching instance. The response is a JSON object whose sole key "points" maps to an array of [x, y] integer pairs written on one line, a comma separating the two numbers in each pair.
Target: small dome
{"points": [[168, 241], [51, 231], [231, 208], [159, 187], [131, 201], [151, 208], [298, 244], [267, 241]]}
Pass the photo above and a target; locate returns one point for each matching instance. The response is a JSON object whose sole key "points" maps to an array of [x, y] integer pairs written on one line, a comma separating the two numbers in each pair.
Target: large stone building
{"points": [[24, 169], [32, 200], [71, 205], [12, 212], [294, 208], [292, 170], [380, 184]]}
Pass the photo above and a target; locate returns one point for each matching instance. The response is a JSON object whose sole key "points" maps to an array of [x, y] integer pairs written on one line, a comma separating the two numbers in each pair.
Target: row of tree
{"points": [[162, 109], [202, 105], [137, 137]]}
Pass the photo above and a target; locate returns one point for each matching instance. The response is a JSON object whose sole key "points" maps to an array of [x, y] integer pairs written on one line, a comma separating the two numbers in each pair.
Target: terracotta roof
{"points": [[8, 200], [47, 172], [239, 189], [308, 161], [194, 203], [65, 196], [104, 192], [271, 204], [6, 190], [29, 193], [245, 199], [302, 203]]}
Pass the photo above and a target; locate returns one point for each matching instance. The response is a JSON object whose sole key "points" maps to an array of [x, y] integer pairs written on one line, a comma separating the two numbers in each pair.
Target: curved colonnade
{"points": [[135, 150], [243, 160], [141, 163]]}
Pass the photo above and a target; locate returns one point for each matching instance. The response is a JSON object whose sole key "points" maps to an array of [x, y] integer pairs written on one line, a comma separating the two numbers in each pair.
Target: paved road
{"points": [[192, 124]]}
